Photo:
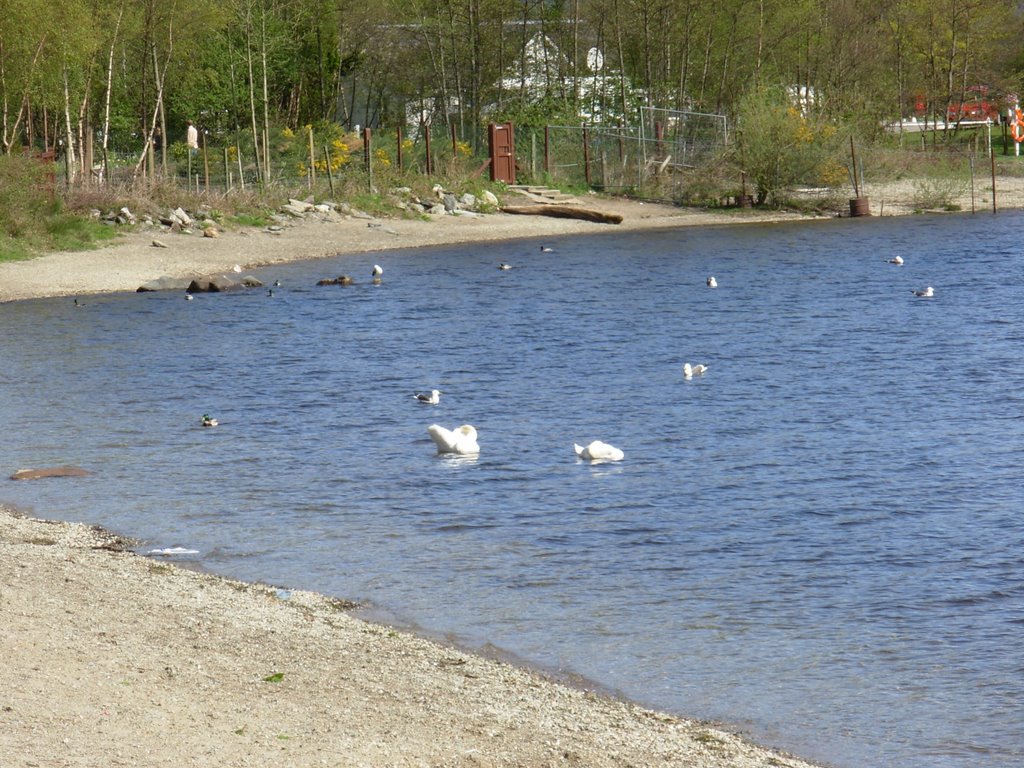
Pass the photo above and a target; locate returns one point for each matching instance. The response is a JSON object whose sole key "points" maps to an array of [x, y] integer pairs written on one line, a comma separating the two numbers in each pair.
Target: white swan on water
{"points": [[461, 440], [689, 371], [598, 451]]}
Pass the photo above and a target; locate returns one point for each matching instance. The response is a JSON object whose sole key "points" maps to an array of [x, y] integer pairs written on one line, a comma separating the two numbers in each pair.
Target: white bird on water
{"points": [[712, 283], [504, 266], [897, 260], [925, 293], [377, 270], [598, 451], [461, 440], [546, 249], [432, 399], [689, 371]]}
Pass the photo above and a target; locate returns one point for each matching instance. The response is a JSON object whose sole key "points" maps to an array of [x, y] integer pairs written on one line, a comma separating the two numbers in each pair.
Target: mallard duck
{"points": [[208, 421]]}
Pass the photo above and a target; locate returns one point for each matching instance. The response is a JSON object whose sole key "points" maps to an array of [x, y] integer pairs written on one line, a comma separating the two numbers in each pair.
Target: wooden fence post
{"points": [[206, 165], [368, 156], [312, 160], [547, 149], [330, 173], [993, 156], [426, 139]]}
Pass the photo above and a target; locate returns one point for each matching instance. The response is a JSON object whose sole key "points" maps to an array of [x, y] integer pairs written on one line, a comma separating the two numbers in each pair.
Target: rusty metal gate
{"points": [[501, 143]]}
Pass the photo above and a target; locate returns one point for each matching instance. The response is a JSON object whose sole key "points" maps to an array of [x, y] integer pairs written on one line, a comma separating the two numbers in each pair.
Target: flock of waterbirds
{"points": [[463, 440]]}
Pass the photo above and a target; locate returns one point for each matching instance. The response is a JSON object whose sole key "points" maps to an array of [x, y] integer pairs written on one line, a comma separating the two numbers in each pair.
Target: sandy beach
{"points": [[115, 659]]}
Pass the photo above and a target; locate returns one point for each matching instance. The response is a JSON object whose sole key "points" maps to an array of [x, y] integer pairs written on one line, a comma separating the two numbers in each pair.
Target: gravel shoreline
{"points": [[115, 659]]}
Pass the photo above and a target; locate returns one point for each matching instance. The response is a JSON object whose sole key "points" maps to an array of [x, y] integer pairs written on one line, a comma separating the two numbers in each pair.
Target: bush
{"points": [[779, 147]]}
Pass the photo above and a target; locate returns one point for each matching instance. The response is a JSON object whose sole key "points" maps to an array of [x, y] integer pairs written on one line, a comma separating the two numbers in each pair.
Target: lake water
{"points": [[819, 542]]}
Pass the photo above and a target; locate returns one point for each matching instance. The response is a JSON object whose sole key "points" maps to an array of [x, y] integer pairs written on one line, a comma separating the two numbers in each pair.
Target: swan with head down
{"points": [[598, 451], [461, 440]]}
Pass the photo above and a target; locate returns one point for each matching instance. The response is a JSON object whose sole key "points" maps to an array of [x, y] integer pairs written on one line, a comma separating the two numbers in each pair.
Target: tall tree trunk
{"points": [[252, 91], [110, 80], [160, 76], [69, 134]]}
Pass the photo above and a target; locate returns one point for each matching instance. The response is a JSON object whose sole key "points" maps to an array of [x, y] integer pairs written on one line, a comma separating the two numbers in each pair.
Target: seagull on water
{"points": [[461, 440], [689, 371], [432, 399], [925, 293], [598, 451], [712, 283], [897, 260]]}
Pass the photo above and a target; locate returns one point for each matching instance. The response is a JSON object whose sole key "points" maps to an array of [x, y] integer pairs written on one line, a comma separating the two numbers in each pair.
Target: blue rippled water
{"points": [[818, 542]]}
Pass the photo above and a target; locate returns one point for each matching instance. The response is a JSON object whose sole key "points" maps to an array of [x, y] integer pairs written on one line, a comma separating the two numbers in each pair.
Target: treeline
{"points": [[125, 74]]}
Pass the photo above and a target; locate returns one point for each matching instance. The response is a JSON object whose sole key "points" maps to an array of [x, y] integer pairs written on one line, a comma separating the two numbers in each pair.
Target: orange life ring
{"points": [[1017, 126]]}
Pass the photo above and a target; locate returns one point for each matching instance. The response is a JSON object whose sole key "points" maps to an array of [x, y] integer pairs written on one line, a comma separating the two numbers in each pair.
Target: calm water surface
{"points": [[818, 542]]}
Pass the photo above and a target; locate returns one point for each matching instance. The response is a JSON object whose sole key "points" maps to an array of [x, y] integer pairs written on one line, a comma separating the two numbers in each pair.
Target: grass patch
{"points": [[250, 219], [70, 233]]}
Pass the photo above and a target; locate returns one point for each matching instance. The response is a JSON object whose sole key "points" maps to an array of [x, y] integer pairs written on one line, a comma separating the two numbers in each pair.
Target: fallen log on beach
{"points": [[564, 212]]}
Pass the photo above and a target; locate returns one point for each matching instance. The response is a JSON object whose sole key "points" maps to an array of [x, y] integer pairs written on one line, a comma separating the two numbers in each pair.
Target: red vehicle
{"points": [[978, 104]]}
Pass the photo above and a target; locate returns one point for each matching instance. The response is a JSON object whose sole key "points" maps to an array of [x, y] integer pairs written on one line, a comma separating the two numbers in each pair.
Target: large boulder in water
{"points": [[36, 474], [165, 284], [213, 284]]}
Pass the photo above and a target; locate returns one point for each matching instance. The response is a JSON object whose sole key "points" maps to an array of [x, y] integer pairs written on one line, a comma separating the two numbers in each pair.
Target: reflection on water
{"points": [[818, 540]]}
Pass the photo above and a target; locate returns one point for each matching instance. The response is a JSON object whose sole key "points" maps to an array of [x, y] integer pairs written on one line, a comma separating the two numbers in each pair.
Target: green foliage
{"points": [[32, 218], [779, 147], [276, 677]]}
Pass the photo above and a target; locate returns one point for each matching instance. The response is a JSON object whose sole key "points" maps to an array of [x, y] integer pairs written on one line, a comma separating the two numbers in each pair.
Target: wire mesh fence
{"points": [[649, 159]]}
